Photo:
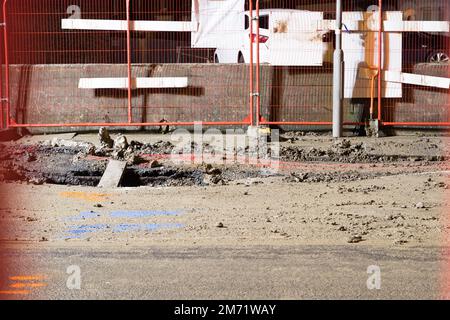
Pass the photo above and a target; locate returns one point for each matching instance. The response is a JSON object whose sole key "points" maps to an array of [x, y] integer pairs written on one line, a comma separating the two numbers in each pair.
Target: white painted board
{"points": [[410, 78], [388, 26], [122, 25], [137, 83]]}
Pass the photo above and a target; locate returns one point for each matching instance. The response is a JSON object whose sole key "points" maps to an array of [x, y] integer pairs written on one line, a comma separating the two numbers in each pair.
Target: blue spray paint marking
{"points": [[124, 214], [142, 214], [83, 216], [76, 232], [146, 227], [126, 227]]}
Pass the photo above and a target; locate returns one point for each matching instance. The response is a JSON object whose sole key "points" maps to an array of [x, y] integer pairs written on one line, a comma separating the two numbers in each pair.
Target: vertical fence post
{"points": [[380, 60], [250, 5], [5, 48], [258, 75], [1, 89], [338, 67], [130, 117], [1, 81], [2, 120]]}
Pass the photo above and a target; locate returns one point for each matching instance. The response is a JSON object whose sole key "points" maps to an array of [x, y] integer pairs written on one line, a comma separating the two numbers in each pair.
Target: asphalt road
{"points": [[279, 239], [253, 272]]}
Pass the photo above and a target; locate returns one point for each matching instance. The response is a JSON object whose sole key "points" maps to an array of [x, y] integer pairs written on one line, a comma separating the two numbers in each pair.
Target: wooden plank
{"points": [[409, 78], [188, 26], [417, 79], [122, 25], [422, 26], [113, 174], [137, 83]]}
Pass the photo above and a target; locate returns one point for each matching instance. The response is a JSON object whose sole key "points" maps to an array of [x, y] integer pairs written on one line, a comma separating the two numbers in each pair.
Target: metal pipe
{"points": [[417, 124], [338, 77], [380, 51], [372, 90], [309, 123], [258, 75], [209, 123], [126, 124], [130, 116]]}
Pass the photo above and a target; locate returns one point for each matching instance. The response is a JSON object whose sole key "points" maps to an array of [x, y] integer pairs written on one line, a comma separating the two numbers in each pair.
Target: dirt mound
{"points": [[344, 151]]}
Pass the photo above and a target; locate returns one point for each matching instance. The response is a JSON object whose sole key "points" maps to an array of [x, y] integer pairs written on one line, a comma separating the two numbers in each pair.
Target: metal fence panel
{"points": [[45, 62], [423, 53]]}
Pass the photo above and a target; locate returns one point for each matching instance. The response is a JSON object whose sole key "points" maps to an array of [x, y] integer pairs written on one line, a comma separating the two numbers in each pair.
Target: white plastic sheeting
{"points": [[220, 23], [294, 38]]}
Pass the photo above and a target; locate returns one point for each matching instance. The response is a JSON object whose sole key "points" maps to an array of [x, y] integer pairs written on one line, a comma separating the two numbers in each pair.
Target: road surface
{"points": [[215, 272]]}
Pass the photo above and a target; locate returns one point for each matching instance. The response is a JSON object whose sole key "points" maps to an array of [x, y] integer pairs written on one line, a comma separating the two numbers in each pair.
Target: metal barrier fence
{"points": [[56, 76], [422, 53], [301, 96], [71, 77], [2, 61]]}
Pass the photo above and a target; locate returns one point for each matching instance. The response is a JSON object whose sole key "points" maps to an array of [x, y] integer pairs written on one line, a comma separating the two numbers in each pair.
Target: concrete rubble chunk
{"points": [[355, 239], [211, 170], [105, 138], [420, 205], [120, 143]]}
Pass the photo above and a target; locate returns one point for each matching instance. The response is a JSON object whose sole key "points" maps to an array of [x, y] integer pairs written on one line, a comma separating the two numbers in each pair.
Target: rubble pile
{"points": [[72, 162]]}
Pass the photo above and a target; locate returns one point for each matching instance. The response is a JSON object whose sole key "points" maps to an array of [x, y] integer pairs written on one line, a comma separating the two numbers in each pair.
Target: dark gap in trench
{"points": [[131, 179], [159, 177]]}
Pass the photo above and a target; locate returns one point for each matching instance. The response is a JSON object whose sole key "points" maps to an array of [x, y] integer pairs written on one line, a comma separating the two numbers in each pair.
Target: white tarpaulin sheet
{"points": [[294, 38], [220, 22]]}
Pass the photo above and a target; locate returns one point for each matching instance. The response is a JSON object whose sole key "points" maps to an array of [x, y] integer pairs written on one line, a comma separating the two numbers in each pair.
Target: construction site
{"points": [[231, 150]]}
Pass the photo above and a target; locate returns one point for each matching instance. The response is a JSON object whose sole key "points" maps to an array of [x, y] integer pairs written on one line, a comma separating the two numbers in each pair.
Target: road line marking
{"points": [[15, 292], [87, 196], [26, 278], [27, 285]]}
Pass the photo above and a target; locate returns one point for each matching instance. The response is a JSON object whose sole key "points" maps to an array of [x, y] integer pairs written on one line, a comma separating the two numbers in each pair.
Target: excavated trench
{"points": [[70, 166], [161, 177], [83, 164]]}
